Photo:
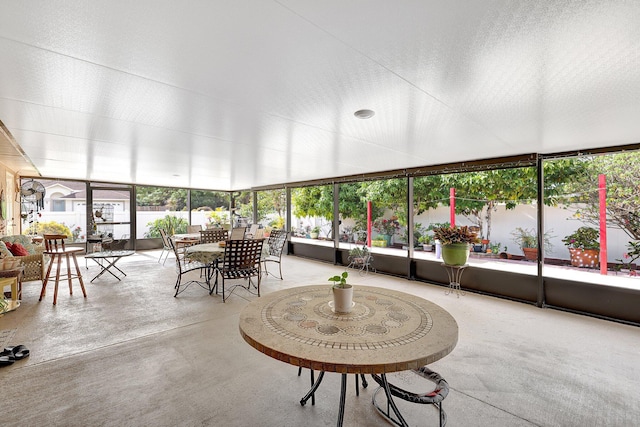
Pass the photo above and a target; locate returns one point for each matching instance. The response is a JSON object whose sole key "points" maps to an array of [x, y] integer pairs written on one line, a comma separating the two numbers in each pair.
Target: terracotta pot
{"points": [[530, 254], [342, 299], [589, 258]]}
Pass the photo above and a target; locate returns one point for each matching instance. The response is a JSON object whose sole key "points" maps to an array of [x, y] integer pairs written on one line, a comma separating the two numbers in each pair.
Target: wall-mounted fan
{"points": [[33, 191]]}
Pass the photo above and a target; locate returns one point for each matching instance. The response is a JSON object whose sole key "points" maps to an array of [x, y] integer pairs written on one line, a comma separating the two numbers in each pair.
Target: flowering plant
{"points": [[632, 254], [583, 238], [387, 226]]}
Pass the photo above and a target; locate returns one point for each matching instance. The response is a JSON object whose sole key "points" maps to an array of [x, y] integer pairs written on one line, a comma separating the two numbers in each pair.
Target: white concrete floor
{"points": [[131, 354]]}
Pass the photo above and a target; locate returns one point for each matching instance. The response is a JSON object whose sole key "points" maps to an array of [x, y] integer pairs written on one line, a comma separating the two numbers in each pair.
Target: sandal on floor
{"points": [[18, 352], [6, 359]]}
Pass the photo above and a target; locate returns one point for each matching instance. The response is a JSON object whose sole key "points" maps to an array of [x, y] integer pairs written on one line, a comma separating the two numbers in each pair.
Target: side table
{"points": [[454, 272], [17, 273], [14, 302], [107, 261]]}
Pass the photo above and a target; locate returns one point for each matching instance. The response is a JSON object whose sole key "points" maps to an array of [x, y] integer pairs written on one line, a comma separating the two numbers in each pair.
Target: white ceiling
{"points": [[244, 93]]}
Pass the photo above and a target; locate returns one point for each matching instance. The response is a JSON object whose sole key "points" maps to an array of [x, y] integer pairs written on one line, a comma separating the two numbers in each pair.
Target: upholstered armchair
{"points": [[33, 263]]}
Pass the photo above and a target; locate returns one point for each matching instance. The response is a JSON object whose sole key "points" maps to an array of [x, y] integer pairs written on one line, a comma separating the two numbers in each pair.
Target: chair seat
{"points": [[63, 251]]}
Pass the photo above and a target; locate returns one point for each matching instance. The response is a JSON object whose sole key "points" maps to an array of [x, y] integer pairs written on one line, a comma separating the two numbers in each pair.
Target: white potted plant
{"points": [[342, 293]]}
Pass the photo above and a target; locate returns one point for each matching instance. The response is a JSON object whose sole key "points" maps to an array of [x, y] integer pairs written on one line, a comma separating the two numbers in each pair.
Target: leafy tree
{"points": [[477, 193], [209, 199], [622, 173], [317, 201], [175, 199], [270, 202], [243, 203]]}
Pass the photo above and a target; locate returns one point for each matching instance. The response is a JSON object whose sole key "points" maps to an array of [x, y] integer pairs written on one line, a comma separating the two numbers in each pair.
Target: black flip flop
{"points": [[6, 358], [18, 352]]}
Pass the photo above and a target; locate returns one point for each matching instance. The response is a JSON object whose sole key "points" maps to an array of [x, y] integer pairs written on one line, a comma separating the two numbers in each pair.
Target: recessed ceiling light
{"points": [[175, 174], [364, 114]]}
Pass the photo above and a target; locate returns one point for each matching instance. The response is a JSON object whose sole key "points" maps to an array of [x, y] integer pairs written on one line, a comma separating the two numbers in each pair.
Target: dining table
{"points": [[206, 253], [386, 331], [186, 238]]}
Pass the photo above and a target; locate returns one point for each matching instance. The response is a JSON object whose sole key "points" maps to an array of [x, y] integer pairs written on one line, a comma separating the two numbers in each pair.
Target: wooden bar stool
{"points": [[54, 247]]}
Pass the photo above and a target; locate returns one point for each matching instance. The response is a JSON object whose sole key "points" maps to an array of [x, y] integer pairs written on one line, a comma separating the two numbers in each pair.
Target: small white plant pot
{"points": [[343, 299]]}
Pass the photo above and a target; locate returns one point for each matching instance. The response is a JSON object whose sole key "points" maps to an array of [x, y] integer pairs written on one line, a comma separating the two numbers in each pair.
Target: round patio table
{"points": [[386, 331]]}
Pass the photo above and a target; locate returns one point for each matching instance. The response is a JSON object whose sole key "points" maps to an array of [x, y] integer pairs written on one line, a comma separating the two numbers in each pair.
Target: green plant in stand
{"points": [[456, 243]]}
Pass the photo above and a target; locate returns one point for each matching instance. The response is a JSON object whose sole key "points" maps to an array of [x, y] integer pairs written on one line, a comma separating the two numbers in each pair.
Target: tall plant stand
{"points": [[454, 272]]}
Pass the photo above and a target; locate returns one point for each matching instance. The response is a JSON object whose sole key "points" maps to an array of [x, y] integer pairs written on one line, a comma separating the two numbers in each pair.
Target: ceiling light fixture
{"points": [[364, 114]]}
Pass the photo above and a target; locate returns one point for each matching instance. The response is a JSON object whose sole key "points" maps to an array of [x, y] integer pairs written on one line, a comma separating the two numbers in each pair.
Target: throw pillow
{"points": [[4, 250], [18, 250]]}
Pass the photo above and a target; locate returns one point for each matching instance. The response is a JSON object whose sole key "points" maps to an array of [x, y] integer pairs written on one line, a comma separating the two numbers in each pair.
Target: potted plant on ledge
{"points": [[584, 247], [386, 228], [527, 240], [456, 243], [342, 293]]}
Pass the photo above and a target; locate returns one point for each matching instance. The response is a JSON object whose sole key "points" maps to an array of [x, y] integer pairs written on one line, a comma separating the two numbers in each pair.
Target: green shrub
{"points": [[171, 224], [47, 227]]}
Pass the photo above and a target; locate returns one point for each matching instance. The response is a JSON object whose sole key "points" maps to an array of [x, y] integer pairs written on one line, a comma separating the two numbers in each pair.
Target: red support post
{"points": [[452, 207], [602, 192], [369, 224]]}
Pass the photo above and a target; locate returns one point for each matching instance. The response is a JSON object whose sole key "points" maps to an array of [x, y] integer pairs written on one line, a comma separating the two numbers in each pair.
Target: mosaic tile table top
{"points": [[386, 331]]}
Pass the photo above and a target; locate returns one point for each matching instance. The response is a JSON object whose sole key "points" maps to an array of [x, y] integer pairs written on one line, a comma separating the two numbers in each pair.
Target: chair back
{"points": [[253, 229], [193, 228], [165, 238], [213, 235], [54, 242], [276, 242], [242, 258], [237, 233]]}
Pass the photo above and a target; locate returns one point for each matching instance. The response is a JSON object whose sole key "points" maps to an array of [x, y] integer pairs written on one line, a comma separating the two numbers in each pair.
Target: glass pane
{"points": [[54, 206], [242, 209], [210, 208], [353, 215], [573, 190], [160, 207], [272, 209], [111, 212], [312, 213], [499, 205], [388, 215]]}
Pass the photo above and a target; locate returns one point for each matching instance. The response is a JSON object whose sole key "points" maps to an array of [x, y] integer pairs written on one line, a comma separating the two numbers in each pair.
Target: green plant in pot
{"points": [[455, 242], [584, 247], [527, 241], [426, 241], [315, 232], [342, 293]]}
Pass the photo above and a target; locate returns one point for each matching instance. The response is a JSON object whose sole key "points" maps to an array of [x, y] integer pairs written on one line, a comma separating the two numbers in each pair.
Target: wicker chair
{"points": [[33, 263]]}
